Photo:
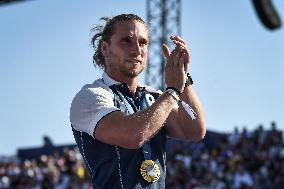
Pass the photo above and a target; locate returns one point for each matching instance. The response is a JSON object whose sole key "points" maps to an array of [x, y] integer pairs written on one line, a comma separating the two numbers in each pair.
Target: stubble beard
{"points": [[126, 72], [132, 73]]}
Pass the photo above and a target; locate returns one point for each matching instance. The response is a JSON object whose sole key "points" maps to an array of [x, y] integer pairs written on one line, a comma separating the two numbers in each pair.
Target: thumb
{"points": [[166, 50]]}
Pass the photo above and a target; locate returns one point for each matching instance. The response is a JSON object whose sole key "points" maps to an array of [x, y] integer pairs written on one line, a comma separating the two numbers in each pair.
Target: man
{"points": [[121, 126]]}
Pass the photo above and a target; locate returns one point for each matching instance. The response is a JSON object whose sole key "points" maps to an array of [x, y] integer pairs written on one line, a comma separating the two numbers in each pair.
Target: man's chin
{"points": [[132, 73]]}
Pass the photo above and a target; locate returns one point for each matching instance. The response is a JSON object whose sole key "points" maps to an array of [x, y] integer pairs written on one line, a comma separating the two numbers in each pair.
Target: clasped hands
{"points": [[177, 63]]}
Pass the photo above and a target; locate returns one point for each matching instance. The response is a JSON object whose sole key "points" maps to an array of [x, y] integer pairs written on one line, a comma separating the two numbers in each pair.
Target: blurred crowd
{"points": [[57, 171], [238, 160]]}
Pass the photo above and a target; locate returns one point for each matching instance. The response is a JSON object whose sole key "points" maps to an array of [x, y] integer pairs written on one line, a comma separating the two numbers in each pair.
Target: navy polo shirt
{"points": [[112, 166]]}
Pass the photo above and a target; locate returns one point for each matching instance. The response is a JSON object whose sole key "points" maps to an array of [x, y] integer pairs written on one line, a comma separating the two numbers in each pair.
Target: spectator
{"points": [[251, 163], [242, 179]]}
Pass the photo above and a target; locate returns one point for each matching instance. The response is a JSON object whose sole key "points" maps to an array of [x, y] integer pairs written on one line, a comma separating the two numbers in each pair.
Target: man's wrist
{"points": [[173, 92], [175, 89]]}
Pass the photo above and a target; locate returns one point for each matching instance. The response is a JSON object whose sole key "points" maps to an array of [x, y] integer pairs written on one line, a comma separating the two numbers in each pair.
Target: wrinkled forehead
{"points": [[131, 28]]}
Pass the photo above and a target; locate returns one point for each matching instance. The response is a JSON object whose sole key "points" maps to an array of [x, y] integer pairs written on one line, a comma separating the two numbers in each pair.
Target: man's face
{"points": [[126, 54]]}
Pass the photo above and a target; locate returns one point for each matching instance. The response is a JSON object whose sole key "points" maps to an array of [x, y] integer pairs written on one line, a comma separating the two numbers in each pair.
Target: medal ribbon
{"points": [[149, 170], [144, 101]]}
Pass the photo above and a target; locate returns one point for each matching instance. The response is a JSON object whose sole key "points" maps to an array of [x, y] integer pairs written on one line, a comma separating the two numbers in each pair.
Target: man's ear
{"points": [[104, 48]]}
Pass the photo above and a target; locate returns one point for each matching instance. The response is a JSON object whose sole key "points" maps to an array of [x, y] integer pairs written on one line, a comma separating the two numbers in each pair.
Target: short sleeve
{"points": [[89, 106]]}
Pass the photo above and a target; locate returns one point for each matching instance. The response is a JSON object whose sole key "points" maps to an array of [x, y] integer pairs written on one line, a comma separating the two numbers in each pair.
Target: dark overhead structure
{"points": [[7, 2], [164, 19], [267, 13]]}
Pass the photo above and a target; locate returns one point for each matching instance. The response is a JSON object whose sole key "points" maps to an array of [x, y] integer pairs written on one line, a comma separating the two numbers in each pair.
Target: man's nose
{"points": [[136, 49]]}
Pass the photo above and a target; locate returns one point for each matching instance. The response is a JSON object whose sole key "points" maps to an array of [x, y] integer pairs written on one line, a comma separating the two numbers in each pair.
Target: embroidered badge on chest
{"points": [[149, 99]]}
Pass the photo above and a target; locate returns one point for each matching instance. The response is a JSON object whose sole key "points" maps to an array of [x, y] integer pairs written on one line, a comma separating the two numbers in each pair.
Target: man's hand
{"points": [[177, 63]]}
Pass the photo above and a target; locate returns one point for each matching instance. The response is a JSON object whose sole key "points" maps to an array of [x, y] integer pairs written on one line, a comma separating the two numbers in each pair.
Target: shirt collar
{"points": [[109, 81]]}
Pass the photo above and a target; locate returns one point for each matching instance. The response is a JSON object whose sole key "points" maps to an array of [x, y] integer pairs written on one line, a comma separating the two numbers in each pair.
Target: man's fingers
{"points": [[171, 56], [177, 58], [184, 49], [186, 63], [166, 51], [181, 61], [177, 38], [186, 54], [178, 43]]}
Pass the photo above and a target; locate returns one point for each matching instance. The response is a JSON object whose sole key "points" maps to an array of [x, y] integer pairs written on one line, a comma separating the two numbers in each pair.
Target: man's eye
{"points": [[127, 40], [143, 42]]}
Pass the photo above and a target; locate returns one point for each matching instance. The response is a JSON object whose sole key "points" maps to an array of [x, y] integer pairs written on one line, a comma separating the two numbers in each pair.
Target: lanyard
{"points": [[149, 170], [144, 101]]}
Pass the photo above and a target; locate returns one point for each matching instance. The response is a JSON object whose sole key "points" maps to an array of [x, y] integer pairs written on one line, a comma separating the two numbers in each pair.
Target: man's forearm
{"points": [[150, 120], [192, 129], [132, 131]]}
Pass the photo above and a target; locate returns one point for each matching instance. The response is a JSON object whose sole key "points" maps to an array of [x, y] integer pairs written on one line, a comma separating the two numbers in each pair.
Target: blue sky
{"points": [[45, 57]]}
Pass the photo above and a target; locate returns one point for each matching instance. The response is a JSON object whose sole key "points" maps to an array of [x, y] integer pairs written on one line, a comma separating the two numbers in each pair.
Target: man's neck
{"points": [[132, 85], [131, 82]]}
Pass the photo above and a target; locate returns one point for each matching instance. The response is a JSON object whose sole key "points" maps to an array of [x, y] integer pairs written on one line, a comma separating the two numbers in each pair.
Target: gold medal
{"points": [[150, 171]]}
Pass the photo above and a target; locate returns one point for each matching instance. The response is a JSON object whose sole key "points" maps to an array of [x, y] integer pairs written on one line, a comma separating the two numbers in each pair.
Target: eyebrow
{"points": [[129, 37]]}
